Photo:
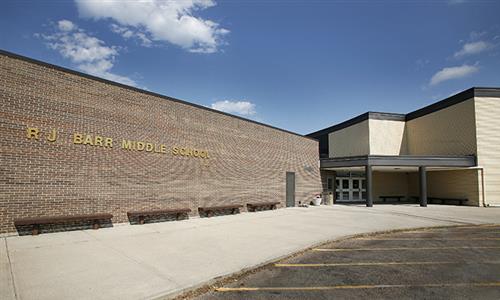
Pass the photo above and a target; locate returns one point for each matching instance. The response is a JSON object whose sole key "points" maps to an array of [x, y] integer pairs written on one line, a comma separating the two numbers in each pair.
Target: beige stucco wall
{"points": [[455, 184], [387, 137], [488, 146], [350, 141], [389, 184], [449, 131], [465, 183]]}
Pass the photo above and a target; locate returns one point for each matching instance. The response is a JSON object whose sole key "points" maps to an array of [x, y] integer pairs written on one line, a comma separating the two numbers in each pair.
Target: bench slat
{"points": [[220, 207], [443, 200], [263, 203], [158, 212], [59, 219]]}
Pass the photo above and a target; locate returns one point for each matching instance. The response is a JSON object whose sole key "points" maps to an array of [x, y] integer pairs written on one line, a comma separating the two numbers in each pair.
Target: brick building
{"points": [[76, 144]]}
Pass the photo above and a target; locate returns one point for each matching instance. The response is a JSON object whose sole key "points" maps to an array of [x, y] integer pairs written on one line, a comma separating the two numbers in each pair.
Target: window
{"points": [[355, 184], [329, 184], [345, 184]]}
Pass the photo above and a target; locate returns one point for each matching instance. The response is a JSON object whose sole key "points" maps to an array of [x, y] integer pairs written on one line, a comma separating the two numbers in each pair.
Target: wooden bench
{"points": [[460, 201], [36, 222], [142, 214], [397, 197], [209, 211], [255, 205]]}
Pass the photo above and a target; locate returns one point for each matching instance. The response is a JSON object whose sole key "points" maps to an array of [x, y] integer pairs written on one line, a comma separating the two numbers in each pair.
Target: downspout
{"points": [[482, 187]]}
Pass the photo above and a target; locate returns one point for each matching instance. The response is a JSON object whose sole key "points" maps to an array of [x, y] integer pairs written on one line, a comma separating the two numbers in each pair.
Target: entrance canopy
{"points": [[398, 162]]}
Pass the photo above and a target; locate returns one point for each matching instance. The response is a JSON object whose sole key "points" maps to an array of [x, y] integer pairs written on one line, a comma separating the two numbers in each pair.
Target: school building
{"points": [[77, 148], [447, 152]]}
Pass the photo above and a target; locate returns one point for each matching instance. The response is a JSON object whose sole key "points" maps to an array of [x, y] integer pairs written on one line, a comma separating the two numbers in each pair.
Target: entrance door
{"points": [[350, 189], [342, 189], [290, 189]]}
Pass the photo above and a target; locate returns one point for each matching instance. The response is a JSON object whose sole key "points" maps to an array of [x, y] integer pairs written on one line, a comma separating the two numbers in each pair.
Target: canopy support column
{"points": [[423, 185], [369, 184]]}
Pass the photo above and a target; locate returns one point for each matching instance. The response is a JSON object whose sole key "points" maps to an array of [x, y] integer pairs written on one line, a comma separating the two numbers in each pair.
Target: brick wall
{"points": [[247, 161]]}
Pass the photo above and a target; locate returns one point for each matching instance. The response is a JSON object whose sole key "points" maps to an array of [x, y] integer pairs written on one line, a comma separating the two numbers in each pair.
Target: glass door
{"points": [[350, 189], [342, 189], [356, 189]]}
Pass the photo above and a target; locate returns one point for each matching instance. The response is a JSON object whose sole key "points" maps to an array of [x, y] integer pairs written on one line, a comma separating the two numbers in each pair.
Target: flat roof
{"points": [[452, 100]]}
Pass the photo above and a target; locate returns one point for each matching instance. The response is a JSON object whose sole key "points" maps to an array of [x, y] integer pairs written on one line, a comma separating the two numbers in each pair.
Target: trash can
{"points": [[328, 197]]}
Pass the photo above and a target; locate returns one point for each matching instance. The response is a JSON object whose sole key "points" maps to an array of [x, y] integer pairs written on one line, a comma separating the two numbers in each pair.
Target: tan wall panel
{"points": [[389, 184], [387, 137], [449, 131], [350, 141], [449, 184], [455, 184], [488, 145], [413, 184]]}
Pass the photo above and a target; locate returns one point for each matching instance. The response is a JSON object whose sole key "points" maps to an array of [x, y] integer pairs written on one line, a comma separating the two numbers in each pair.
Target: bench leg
{"points": [[35, 230], [96, 225], [177, 216]]}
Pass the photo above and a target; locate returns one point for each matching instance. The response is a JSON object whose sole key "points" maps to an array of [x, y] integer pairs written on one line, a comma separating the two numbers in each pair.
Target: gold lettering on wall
{"points": [[189, 152], [79, 138], [108, 143], [52, 136], [144, 146], [88, 139], [127, 145], [32, 133]]}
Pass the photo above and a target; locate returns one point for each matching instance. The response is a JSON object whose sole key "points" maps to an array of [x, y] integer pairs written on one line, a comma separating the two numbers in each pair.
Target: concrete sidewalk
{"points": [[161, 259]]}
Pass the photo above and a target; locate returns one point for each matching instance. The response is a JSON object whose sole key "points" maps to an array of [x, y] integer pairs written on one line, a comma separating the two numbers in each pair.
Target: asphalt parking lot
{"points": [[441, 263]]}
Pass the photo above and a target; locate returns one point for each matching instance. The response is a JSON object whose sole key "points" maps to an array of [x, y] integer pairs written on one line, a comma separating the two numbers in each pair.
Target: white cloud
{"points": [[158, 20], [244, 108], [127, 33], [66, 25], [472, 48], [89, 53], [453, 73]]}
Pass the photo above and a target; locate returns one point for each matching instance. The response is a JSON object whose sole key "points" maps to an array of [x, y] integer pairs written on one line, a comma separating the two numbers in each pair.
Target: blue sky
{"points": [[297, 65]]}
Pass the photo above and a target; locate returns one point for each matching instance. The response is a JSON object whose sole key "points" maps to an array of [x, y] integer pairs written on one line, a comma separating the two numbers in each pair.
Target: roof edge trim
{"points": [[447, 102]]}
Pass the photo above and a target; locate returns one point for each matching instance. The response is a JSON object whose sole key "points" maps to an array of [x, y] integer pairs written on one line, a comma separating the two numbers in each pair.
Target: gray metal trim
{"points": [[450, 101], [487, 92], [358, 119], [400, 160]]}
